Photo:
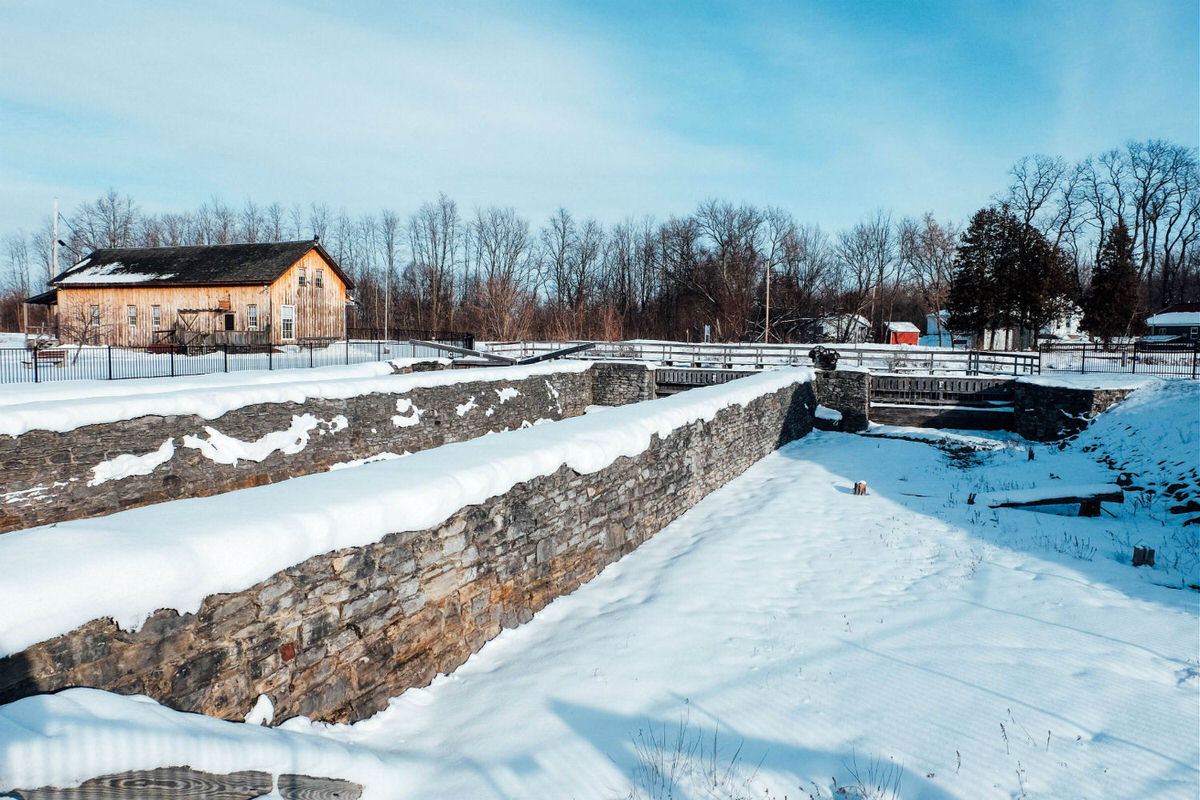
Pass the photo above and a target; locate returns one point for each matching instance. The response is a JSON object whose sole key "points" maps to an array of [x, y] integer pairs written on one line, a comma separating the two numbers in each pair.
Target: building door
{"points": [[287, 323], [229, 322]]}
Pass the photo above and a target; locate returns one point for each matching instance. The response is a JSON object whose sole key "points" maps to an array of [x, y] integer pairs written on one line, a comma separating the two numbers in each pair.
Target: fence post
{"points": [[35, 364], [1083, 360], [1135, 358], [172, 362], [110, 377], [1195, 351], [310, 354], [270, 357], [379, 351], [226, 352]]}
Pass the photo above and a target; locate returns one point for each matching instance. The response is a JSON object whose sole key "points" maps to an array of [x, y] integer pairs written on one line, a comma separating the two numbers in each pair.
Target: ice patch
{"points": [[403, 417], [224, 449], [128, 465]]}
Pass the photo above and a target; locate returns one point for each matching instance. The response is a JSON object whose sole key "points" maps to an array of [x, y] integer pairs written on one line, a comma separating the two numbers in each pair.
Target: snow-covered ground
{"points": [[784, 637]]}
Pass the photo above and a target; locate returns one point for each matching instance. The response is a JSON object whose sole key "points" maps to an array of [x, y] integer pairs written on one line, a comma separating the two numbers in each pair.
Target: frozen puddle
{"points": [[901, 635]]}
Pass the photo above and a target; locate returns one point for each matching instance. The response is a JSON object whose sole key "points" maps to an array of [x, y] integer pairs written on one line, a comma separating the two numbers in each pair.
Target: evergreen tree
{"points": [[1112, 303], [1006, 275], [972, 302]]}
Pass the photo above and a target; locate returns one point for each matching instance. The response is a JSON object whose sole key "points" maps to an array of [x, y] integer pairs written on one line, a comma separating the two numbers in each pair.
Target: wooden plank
{"points": [[165, 783], [185, 783], [303, 787]]}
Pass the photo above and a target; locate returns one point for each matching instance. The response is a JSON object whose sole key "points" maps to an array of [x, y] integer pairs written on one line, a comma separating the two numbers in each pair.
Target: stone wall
{"points": [[845, 391], [617, 383], [1047, 413], [47, 476], [337, 635]]}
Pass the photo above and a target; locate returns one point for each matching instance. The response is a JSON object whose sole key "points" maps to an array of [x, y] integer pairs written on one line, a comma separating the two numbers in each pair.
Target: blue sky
{"points": [[831, 110]]}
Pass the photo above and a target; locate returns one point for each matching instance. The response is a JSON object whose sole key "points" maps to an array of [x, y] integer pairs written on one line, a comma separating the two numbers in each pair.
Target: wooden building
{"points": [[245, 294], [903, 333]]}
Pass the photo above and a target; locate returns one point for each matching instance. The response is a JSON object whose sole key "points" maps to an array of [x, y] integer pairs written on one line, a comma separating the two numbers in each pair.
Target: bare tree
{"points": [[867, 255], [927, 252], [434, 237], [504, 268]]}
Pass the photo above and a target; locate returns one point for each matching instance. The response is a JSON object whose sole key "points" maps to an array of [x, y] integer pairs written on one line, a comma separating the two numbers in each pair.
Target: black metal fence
{"points": [[72, 362], [1179, 360]]}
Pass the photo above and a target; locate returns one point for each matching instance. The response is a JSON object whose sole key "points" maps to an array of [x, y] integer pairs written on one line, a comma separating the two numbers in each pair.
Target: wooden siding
{"points": [[320, 313]]}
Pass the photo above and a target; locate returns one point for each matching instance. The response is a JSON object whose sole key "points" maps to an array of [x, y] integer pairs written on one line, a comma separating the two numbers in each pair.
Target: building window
{"points": [[132, 313], [319, 278], [287, 323], [301, 276], [252, 317], [95, 320], [156, 316]]}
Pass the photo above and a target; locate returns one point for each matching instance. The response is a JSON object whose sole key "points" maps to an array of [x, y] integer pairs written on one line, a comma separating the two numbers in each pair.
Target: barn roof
{"points": [[192, 266]]}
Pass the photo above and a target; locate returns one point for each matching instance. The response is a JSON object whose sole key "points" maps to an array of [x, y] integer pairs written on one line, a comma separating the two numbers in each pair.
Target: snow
{"points": [[111, 272], [828, 414], [982, 440], [66, 406], [1180, 318], [903, 327], [358, 462], [506, 394], [804, 630], [224, 449], [407, 414], [127, 465], [129, 564], [463, 408], [262, 713], [1091, 380]]}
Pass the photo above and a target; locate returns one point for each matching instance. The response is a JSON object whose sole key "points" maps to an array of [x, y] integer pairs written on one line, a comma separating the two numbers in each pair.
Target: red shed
{"points": [[903, 333]]}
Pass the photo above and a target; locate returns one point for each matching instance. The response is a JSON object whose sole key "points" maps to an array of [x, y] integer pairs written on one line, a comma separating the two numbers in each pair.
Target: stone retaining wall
{"points": [[47, 476], [845, 391], [337, 635], [619, 383], [1048, 413]]}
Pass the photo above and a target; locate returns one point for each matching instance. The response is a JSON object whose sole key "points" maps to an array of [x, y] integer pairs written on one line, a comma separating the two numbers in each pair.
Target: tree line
{"points": [[1039, 245]]}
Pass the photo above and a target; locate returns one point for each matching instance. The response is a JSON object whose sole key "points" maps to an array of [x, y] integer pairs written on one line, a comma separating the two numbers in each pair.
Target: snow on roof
{"points": [[132, 563], [112, 272], [1175, 318], [903, 327]]}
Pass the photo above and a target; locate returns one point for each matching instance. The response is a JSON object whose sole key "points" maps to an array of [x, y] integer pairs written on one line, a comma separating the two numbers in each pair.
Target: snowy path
{"points": [[824, 633]]}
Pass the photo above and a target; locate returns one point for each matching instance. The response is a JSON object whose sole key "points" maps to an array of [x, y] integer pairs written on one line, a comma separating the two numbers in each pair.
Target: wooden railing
{"points": [[760, 356]]}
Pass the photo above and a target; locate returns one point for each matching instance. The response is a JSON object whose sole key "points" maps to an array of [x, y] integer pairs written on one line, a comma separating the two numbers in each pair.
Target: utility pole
{"points": [[54, 247], [767, 325]]}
